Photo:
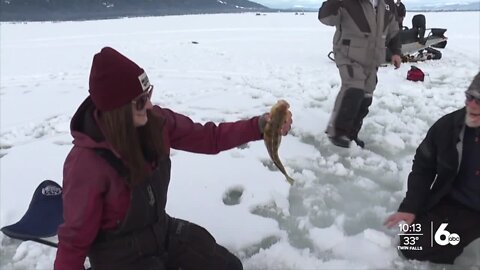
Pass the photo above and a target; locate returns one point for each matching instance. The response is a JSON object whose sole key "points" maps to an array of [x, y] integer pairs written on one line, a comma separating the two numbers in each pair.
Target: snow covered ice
{"points": [[222, 68]]}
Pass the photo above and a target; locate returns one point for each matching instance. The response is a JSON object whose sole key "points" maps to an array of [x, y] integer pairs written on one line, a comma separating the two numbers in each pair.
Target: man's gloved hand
{"points": [[333, 6], [395, 218], [396, 60]]}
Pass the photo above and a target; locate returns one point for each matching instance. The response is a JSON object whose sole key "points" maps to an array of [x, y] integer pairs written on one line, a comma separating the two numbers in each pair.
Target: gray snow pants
{"points": [[353, 100]]}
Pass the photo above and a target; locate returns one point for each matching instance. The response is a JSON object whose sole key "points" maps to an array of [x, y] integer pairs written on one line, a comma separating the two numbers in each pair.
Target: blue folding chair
{"points": [[43, 216]]}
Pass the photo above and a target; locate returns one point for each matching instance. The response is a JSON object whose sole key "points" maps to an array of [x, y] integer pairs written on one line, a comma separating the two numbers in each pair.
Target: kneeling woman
{"points": [[116, 176]]}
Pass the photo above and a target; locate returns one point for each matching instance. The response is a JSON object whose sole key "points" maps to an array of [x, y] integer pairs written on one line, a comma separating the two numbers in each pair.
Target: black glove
{"points": [[332, 6], [329, 8]]}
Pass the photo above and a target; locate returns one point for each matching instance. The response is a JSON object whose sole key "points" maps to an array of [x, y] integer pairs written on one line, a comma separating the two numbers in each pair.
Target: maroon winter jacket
{"points": [[96, 198]]}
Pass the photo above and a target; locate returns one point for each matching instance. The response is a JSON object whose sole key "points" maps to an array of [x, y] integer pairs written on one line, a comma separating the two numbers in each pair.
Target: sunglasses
{"points": [[472, 98], [142, 100]]}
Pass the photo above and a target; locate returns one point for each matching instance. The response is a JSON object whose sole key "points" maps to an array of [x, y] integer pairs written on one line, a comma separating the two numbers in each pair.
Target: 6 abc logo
{"points": [[444, 237]]}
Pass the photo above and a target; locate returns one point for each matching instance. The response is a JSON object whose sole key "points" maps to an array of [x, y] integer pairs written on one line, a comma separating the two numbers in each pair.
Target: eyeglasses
{"points": [[472, 98], [142, 100]]}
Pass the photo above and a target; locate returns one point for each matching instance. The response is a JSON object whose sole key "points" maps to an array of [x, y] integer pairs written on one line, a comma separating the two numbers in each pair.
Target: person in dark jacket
{"points": [[363, 29], [116, 176], [401, 13], [444, 186]]}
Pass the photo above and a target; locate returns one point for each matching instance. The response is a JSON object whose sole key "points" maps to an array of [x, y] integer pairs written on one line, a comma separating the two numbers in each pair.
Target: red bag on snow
{"points": [[415, 74]]}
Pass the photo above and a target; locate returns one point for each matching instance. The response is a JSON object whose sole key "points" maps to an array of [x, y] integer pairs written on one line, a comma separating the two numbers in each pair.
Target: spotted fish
{"points": [[272, 134]]}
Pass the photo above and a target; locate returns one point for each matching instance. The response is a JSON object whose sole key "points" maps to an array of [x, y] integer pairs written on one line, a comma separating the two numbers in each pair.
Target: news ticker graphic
{"points": [[412, 237]]}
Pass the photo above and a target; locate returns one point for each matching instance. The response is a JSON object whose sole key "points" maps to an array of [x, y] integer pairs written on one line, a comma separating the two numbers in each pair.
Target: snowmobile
{"points": [[418, 47], [415, 45]]}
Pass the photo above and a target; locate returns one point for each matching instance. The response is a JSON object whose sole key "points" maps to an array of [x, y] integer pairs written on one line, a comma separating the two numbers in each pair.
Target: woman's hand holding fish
{"points": [[287, 124]]}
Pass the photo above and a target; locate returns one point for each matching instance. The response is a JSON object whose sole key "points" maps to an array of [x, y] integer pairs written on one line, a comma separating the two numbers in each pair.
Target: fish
{"points": [[272, 135]]}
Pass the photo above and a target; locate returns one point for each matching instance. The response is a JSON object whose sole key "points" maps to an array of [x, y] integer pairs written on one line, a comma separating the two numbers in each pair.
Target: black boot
{"points": [[359, 142], [342, 141], [344, 122], [358, 122]]}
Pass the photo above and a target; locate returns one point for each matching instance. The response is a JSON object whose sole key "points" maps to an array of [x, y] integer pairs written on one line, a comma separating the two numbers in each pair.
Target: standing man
{"points": [[363, 28], [401, 12], [444, 186]]}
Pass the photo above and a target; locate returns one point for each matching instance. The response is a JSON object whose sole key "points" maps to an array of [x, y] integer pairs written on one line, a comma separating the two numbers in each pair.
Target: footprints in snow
{"points": [[50, 127]]}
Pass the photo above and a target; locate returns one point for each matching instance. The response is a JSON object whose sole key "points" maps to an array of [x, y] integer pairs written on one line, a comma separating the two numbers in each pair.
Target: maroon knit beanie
{"points": [[115, 80]]}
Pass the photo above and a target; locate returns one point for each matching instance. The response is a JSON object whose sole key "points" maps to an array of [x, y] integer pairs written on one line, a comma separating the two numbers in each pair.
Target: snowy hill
{"points": [[48, 10], [445, 7]]}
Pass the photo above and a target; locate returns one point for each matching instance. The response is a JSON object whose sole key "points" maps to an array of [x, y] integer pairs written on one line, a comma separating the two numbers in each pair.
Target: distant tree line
{"points": [[41, 10]]}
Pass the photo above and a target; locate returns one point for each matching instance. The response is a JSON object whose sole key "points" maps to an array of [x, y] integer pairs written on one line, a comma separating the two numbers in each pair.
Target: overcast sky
{"points": [[318, 3]]}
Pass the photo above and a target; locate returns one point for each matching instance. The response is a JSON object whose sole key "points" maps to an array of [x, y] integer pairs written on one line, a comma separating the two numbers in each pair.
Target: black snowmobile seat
{"points": [[420, 24], [409, 35], [417, 32], [419, 21]]}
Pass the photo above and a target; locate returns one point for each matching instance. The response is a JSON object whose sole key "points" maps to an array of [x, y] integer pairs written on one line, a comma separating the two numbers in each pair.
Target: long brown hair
{"points": [[137, 146]]}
